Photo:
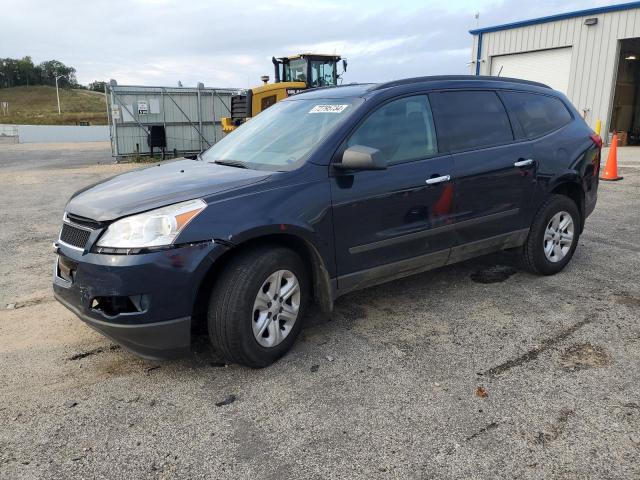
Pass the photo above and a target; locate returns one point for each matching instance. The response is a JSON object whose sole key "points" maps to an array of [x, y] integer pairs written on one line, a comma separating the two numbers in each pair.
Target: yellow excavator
{"points": [[292, 75]]}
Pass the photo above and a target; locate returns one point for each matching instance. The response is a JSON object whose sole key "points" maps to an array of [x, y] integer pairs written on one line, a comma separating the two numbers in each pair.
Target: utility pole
{"points": [[58, 93]]}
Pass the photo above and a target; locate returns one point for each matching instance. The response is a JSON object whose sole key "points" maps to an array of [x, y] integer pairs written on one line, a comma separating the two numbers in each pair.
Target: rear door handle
{"points": [[523, 163], [434, 180]]}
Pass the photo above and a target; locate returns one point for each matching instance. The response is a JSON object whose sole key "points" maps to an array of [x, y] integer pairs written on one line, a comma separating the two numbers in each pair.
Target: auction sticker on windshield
{"points": [[328, 108]]}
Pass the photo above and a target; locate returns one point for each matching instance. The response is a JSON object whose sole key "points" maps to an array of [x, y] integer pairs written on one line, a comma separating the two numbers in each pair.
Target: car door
{"points": [[494, 174], [541, 119], [392, 222]]}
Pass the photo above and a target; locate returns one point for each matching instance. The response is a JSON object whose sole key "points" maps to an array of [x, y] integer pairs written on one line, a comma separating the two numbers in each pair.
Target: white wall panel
{"points": [[593, 64]]}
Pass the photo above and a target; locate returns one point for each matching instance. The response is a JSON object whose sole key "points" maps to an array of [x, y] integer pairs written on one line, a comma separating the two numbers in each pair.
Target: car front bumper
{"points": [[150, 296]]}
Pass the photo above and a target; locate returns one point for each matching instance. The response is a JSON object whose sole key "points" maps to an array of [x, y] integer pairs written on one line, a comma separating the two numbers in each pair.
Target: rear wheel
{"points": [[553, 236], [256, 308]]}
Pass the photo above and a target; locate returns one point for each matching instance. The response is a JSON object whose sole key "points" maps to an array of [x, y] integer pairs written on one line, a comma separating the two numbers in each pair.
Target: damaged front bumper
{"points": [[143, 302]]}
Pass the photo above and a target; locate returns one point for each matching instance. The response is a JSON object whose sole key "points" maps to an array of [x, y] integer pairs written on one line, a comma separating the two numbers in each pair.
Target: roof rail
{"points": [[352, 84], [440, 78], [331, 87]]}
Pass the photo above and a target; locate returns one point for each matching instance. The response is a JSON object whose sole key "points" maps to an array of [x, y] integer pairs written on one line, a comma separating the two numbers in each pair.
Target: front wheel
{"points": [[553, 236], [257, 306]]}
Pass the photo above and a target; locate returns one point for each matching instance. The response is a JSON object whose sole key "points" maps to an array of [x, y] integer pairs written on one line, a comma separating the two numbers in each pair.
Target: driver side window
{"points": [[402, 130]]}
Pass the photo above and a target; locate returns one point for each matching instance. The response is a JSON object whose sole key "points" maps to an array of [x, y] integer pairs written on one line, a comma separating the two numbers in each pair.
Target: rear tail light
{"points": [[596, 159]]}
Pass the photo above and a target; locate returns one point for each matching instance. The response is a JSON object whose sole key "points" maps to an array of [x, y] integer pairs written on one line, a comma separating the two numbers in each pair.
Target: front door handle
{"points": [[434, 180], [523, 163]]}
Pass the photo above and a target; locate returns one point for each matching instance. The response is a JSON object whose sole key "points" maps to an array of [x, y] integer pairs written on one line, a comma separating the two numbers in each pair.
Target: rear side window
{"points": [[402, 130], [472, 119], [537, 114]]}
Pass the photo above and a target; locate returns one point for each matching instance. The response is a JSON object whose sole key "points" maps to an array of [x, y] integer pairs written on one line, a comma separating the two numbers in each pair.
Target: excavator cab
{"points": [[291, 75]]}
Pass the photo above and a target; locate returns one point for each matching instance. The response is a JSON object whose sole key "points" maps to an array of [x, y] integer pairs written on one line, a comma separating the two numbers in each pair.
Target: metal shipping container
{"points": [[189, 117]]}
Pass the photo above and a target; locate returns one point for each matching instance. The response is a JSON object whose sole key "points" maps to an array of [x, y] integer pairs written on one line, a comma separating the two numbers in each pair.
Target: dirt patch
{"points": [[493, 274], [584, 355], [109, 366], [483, 430], [555, 429], [27, 303], [351, 313], [627, 300], [88, 353], [534, 353]]}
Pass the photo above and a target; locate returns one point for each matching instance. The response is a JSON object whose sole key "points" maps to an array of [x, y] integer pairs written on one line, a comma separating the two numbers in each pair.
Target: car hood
{"points": [[157, 186]]}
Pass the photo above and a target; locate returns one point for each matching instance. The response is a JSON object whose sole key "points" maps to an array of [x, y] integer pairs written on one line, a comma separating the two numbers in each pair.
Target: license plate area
{"points": [[66, 268]]}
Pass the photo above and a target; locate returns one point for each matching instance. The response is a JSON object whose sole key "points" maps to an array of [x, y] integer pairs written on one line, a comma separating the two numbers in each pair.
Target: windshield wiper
{"points": [[231, 163]]}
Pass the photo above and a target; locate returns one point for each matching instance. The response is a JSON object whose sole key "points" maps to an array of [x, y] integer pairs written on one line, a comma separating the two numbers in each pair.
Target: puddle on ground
{"points": [[493, 274], [584, 355]]}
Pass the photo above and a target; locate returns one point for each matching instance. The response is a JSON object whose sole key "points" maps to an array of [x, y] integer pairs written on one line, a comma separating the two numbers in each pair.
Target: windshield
{"points": [[281, 137], [323, 73]]}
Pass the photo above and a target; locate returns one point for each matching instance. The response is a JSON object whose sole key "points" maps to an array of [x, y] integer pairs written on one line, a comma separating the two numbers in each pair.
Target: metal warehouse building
{"points": [[593, 56]]}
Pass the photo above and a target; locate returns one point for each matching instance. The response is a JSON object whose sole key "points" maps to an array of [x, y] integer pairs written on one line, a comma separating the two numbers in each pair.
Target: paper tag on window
{"points": [[328, 108]]}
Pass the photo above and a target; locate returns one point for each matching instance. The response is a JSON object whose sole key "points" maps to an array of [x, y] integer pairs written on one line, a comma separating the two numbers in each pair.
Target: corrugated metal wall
{"points": [[594, 59], [191, 117]]}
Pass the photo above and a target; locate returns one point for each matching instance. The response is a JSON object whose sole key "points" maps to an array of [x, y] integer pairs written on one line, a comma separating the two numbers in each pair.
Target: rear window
{"points": [[472, 119], [537, 114]]}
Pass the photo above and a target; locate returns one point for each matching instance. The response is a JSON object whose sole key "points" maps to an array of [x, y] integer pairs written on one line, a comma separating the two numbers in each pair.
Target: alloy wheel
{"points": [[275, 309], [558, 237]]}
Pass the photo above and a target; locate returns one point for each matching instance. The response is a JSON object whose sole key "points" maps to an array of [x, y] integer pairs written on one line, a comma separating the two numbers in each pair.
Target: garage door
{"points": [[547, 66]]}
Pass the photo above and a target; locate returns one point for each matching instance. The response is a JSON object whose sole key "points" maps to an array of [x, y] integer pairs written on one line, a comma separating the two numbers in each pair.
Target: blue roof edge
{"points": [[559, 16]]}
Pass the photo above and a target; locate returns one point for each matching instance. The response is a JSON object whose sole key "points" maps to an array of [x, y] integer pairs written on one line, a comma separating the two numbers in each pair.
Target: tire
{"points": [[233, 316], [534, 258]]}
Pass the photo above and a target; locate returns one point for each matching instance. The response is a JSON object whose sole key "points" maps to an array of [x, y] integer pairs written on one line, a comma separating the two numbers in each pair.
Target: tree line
{"points": [[17, 72]]}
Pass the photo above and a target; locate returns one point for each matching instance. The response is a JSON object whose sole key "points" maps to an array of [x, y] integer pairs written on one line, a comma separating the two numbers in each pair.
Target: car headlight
{"points": [[155, 228]]}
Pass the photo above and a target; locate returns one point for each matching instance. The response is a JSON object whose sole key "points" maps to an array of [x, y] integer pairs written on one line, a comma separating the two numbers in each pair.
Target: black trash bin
{"points": [[157, 138]]}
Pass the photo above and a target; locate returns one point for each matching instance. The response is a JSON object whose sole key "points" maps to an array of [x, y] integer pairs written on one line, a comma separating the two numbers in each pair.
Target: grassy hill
{"points": [[38, 106]]}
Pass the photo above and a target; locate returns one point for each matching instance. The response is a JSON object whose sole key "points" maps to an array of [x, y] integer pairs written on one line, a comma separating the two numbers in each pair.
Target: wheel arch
{"points": [[575, 192], [323, 289]]}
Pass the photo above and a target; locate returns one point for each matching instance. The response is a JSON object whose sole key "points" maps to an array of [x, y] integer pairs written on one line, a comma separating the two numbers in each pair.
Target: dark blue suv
{"points": [[326, 192]]}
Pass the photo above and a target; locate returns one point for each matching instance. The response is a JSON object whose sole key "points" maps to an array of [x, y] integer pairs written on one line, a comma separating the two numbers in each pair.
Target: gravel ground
{"points": [[441, 375], [30, 156]]}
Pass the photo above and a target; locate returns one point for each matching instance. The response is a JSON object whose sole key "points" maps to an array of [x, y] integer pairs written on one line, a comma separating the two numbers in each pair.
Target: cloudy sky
{"points": [[230, 43]]}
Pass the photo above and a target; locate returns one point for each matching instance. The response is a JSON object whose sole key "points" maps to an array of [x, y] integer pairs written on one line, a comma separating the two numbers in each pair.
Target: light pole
{"points": [[57, 93]]}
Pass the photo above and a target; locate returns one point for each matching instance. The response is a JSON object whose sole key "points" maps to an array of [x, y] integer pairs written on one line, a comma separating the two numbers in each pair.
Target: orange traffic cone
{"points": [[611, 168]]}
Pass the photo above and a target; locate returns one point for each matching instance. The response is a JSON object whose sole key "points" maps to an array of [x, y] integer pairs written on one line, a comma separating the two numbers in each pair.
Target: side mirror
{"points": [[359, 157], [344, 64]]}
